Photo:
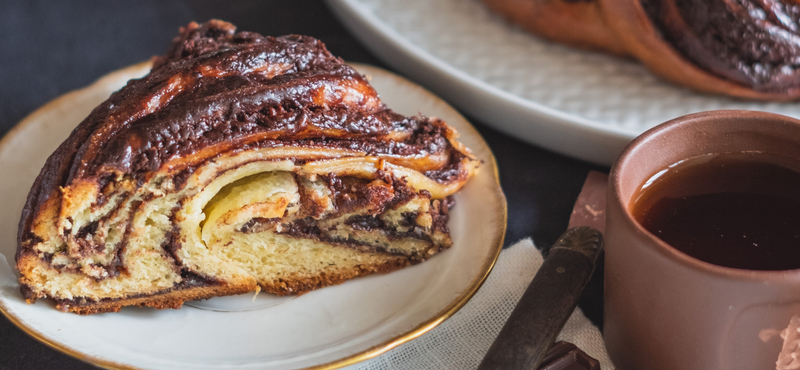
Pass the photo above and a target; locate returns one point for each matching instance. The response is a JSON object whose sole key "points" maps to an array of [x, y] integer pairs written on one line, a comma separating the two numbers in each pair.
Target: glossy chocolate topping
{"points": [[755, 43], [217, 91]]}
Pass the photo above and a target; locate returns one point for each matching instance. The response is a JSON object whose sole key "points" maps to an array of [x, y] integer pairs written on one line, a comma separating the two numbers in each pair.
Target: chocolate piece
{"points": [[566, 356]]}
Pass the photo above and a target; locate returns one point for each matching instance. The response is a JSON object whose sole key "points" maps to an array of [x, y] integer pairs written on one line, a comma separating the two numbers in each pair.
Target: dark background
{"points": [[48, 48]]}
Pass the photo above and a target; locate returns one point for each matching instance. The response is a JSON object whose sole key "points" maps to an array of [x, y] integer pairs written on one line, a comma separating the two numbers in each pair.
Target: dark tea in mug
{"points": [[739, 210]]}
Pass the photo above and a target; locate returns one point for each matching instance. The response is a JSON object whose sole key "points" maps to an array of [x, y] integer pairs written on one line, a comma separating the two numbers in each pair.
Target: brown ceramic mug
{"points": [[665, 310]]}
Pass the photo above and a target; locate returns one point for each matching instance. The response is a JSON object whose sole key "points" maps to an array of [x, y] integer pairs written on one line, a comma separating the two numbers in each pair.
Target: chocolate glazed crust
{"points": [[218, 91]]}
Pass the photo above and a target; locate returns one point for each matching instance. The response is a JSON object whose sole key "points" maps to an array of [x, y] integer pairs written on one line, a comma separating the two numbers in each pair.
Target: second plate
{"points": [[584, 104]]}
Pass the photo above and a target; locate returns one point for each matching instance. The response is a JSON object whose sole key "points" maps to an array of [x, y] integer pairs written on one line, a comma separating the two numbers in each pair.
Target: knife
{"points": [[553, 294]]}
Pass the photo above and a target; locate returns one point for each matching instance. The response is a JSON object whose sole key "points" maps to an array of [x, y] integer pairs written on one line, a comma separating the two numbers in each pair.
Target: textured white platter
{"points": [[327, 328], [584, 104]]}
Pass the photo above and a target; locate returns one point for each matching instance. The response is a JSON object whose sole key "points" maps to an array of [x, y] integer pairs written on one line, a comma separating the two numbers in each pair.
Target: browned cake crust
{"points": [[175, 297], [116, 202], [742, 48]]}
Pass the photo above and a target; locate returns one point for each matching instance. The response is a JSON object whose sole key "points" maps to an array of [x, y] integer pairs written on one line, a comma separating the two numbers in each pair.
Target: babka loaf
{"points": [[239, 163], [742, 48]]}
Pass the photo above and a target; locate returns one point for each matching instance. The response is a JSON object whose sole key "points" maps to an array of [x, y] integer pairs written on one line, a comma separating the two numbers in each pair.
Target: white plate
{"points": [[329, 328], [584, 104]]}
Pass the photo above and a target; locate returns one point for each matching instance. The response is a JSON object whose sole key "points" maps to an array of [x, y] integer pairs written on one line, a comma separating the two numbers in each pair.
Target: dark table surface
{"points": [[48, 48]]}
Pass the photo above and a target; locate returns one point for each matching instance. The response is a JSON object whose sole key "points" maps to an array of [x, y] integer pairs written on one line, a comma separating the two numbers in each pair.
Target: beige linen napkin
{"points": [[461, 342]]}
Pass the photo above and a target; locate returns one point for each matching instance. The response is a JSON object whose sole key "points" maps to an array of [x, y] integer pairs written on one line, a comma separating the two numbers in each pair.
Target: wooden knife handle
{"points": [[547, 303]]}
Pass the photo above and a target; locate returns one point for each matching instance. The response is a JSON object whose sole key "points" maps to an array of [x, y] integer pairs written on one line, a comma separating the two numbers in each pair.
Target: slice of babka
{"points": [[240, 162]]}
